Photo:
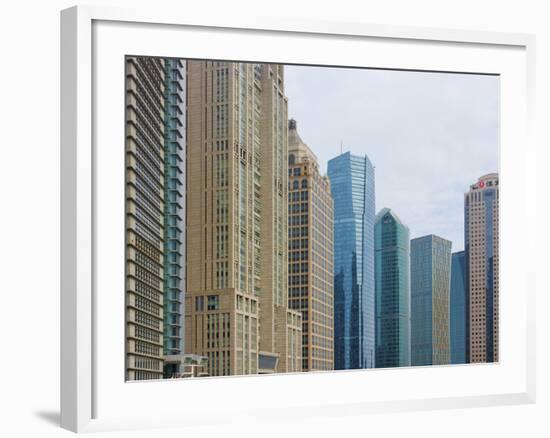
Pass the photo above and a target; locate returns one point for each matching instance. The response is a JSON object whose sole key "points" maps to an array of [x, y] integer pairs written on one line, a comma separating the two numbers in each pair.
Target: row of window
{"points": [[143, 375], [212, 303], [146, 305], [146, 348], [218, 332], [145, 262], [295, 185], [149, 97], [296, 196], [146, 334], [147, 320], [148, 278], [148, 292]]}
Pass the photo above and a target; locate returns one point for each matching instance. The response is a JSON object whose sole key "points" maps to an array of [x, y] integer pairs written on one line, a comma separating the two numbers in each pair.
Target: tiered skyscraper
{"points": [[393, 309], [430, 289], [481, 238], [145, 196], [310, 246], [458, 311], [236, 119], [352, 187]]}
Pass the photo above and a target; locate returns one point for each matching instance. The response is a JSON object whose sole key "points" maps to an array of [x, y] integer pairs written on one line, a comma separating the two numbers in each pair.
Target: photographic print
{"points": [[295, 218]]}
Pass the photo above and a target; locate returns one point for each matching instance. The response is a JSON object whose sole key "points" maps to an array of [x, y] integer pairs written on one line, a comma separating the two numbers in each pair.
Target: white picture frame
{"points": [[93, 398]]}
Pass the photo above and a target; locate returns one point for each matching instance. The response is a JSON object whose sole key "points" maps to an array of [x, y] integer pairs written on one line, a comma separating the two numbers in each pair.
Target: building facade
{"points": [[430, 291], [310, 250], [145, 196], [174, 214], [280, 326], [458, 311], [227, 138], [393, 310], [352, 186], [481, 244]]}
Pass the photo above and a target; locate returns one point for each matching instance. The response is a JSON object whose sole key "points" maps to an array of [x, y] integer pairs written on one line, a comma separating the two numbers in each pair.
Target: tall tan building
{"points": [[311, 252], [280, 327], [145, 82], [229, 134], [481, 233]]}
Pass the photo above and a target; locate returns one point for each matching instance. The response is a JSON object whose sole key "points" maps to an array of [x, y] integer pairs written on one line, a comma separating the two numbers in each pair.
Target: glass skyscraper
{"points": [[393, 311], [430, 288], [174, 214], [352, 185], [458, 307]]}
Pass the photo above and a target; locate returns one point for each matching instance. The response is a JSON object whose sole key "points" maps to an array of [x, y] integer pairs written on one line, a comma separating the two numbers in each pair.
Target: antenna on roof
{"points": [[341, 146]]}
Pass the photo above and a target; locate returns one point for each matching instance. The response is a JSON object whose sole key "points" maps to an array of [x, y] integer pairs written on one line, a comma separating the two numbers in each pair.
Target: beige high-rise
{"points": [[280, 327], [481, 231], [228, 136], [144, 217], [311, 253]]}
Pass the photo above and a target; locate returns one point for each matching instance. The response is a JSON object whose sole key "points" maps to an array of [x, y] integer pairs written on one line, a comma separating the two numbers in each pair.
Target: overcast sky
{"points": [[429, 135]]}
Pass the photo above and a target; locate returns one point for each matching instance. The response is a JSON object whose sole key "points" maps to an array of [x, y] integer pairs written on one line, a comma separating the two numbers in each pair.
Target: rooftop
{"points": [[386, 210], [296, 145]]}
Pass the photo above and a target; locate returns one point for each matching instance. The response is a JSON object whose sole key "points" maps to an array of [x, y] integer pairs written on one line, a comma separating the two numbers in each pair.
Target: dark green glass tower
{"points": [[393, 296]]}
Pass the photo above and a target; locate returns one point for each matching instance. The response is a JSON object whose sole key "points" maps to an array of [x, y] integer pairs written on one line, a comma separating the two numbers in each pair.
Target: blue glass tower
{"points": [[430, 289], [393, 295], [352, 186], [174, 215], [458, 305]]}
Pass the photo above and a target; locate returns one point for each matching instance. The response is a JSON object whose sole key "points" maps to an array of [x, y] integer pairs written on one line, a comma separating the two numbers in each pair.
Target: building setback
{"points": [[430, 289], [226, 127], [352, 187], [174, 214], [393, 313], [458, 314], [145, 81], [310, 250], [481, 238]]}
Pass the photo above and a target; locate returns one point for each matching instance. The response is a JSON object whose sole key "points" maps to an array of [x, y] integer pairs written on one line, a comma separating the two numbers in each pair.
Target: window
{"points": [[213, 302], [199, 304]]}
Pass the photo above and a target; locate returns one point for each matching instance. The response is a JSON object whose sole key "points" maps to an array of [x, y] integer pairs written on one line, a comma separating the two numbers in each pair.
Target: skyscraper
{"points": [[481, 241], [236, 119], [280, 327], [310, 246], [145, 151], [352, 186], [458, 312], [174, 214], [430, 288], [223, 254], [393, 311]]}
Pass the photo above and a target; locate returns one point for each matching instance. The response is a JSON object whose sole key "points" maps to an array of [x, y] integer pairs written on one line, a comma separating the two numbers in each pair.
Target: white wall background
{"points": [[29, 218]]}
